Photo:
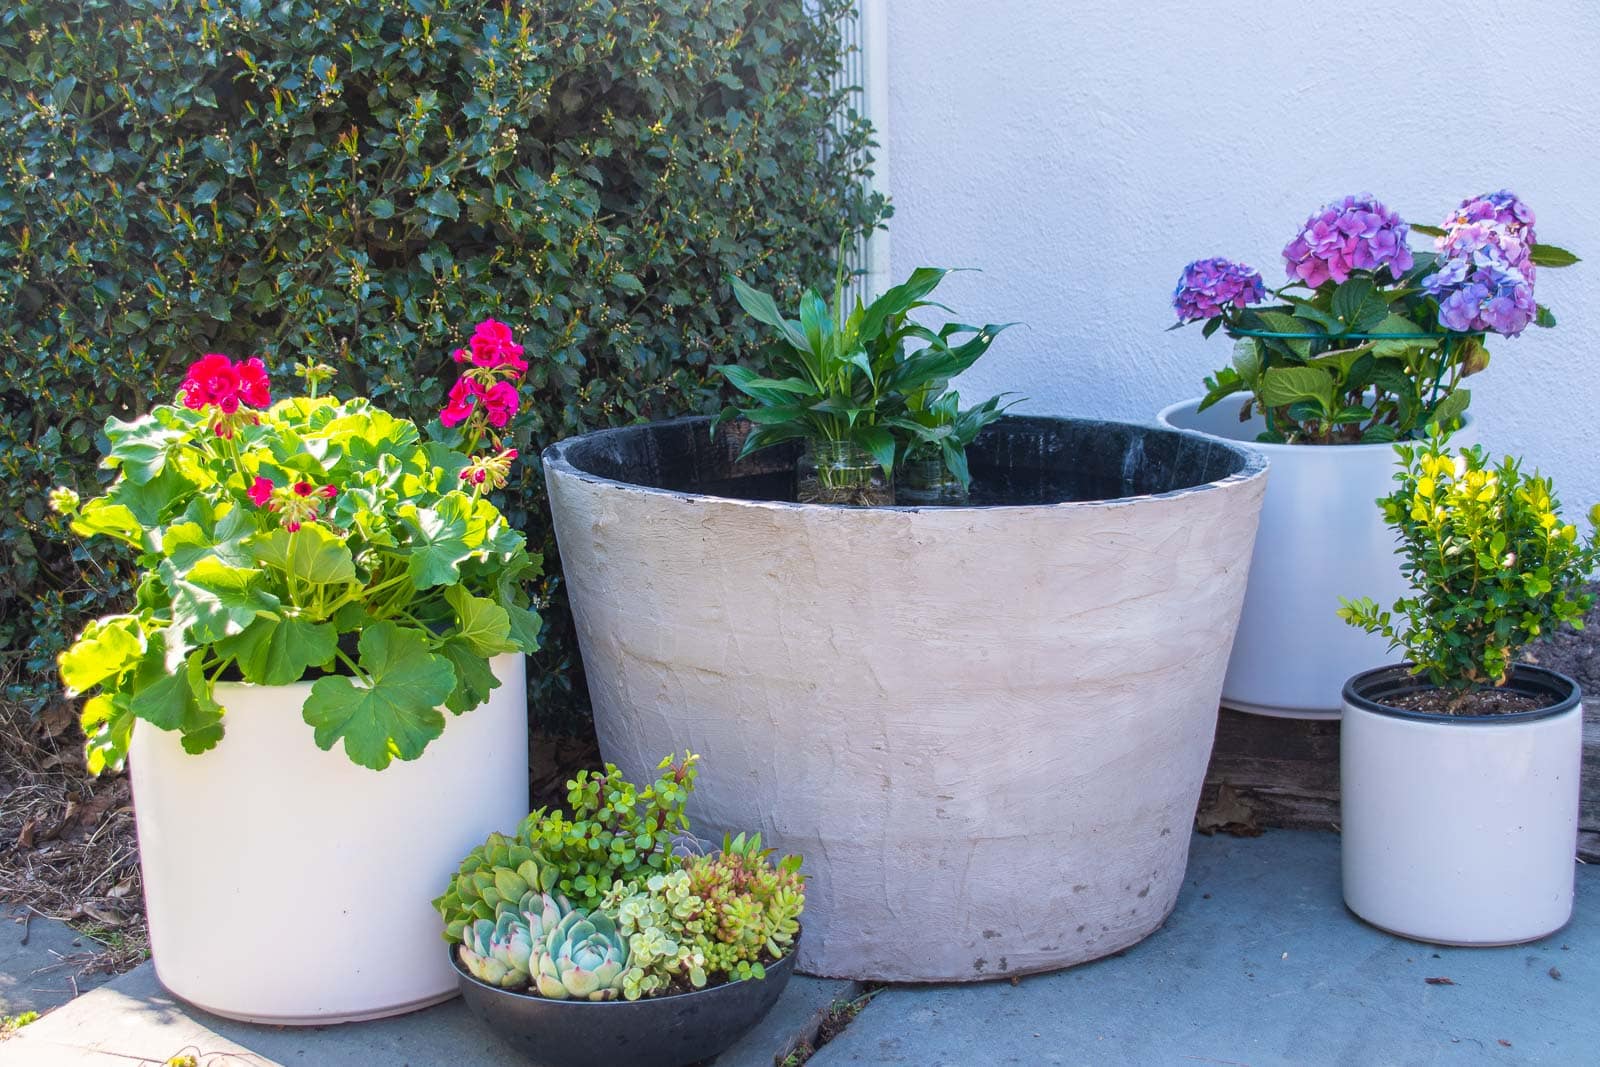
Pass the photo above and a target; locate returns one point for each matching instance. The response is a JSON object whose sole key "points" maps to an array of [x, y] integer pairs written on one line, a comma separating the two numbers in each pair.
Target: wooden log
{"points": [[1285, 772]]}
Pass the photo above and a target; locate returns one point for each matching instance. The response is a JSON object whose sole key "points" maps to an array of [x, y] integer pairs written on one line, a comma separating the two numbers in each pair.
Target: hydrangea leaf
{"points": [[107, 648], [274, 651], [394, 711]]}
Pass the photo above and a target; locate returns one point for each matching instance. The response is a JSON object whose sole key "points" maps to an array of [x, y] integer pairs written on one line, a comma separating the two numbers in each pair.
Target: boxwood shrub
{"points": [[360, 183]]}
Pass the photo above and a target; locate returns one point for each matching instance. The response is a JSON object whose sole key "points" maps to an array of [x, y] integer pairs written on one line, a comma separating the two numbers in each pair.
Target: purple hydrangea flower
{"points": [[1489, 295], [1503, 209], [1356, 233], [1207, 286], [1485, 280]]}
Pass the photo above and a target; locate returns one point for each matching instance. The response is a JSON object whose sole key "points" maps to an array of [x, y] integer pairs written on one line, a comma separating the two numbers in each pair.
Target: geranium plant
{"points": [[846, 375], [310, 538], [609, 904], [1492, 566], [1370, 341]]}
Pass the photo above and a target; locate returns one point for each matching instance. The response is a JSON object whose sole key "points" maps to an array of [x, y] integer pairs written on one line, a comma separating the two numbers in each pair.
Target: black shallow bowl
{"points": [[649, 1032]]}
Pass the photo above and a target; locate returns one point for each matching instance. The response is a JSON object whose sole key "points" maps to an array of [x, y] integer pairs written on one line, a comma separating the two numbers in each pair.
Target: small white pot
{"points": [[1322, 537], [1460, 830], [287, 885]]}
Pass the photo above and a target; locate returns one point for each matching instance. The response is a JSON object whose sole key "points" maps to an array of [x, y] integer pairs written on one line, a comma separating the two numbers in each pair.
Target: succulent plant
{"points": [[752, 906], [583, 958], [501, 871], [661, 921], [542, 912], [498, 952]]}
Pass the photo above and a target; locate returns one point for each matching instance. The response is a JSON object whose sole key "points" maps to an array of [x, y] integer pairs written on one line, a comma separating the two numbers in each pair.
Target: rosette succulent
{"points": [[498, 952], [583, 958], [502, 874]]}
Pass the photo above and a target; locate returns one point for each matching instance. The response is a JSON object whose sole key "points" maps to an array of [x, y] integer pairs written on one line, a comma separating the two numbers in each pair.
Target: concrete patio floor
{"points": [[1260, 964]]}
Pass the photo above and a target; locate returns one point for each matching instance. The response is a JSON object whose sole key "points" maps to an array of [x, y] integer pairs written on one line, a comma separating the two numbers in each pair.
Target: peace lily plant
{"points": [[308, 538]]}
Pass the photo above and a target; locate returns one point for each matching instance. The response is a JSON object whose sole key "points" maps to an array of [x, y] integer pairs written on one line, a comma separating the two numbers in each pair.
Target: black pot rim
{"points": [[455, 961], [1252, 465], [1526, 678]]}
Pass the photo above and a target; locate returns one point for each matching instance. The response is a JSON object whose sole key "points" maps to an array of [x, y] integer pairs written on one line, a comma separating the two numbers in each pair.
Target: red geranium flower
{"points": [[500, 403], [261, 491], [459, 407], [214, 380]]}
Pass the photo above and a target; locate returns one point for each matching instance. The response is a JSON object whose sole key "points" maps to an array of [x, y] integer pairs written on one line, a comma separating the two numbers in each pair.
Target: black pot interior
{"points": [[1375, 691], [1017, 460]]}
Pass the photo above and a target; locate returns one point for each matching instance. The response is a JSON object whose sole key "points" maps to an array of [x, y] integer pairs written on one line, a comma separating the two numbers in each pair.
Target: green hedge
{"points": [[363, 181]]}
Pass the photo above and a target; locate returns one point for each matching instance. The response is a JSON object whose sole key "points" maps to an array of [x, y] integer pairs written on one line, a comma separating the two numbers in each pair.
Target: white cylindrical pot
{"points": [[287, 885], [1460, 829], [1322, 537], [985, 728]]}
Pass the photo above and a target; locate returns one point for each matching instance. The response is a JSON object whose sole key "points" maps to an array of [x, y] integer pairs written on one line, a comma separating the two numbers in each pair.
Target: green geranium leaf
{"points": [[173, 696], [214, 600], [310, 554], [394, 711], [186, 543], [102, 516], [440, 540], [151, 501], [272, 651], [139, 447], [480, 622], [107, 648], [108, 725], [475, 680]]}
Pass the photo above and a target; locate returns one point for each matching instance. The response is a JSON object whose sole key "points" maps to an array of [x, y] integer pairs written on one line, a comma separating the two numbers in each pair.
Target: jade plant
{"points": [[662, 921], [845, 377], [1370, 341], [1492, 567], [310, 538]]}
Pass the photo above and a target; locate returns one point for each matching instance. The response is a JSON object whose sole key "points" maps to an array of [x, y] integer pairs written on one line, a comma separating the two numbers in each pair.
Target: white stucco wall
{"points": [[1081, 152]]}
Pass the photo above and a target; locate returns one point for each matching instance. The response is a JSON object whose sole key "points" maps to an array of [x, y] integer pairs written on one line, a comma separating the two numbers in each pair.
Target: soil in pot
{"points": [[1476, 702]]}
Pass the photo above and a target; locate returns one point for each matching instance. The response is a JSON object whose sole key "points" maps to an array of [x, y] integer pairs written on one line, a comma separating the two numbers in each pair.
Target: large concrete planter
{"points": [[1322, 537], [985, 728], [286, 885]]}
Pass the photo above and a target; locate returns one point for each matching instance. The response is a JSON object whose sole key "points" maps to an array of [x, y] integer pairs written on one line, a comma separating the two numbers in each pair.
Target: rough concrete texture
{"points": [[934, 707], [42, 973], [1261, 964], [135, 1021]]}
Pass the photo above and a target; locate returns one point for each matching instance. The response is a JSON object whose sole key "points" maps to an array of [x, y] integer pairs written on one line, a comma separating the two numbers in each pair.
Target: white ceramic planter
{"points": [[287, 885], [1460, 830], [984, 728], [1322, 537]]}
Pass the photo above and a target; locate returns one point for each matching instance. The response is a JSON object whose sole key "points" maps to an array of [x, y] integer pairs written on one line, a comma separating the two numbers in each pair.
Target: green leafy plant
{"points": [[1491, 564], [350, 182], [842, 374], [935, 428], [1370, 342], [666, 921], [311, 538]]}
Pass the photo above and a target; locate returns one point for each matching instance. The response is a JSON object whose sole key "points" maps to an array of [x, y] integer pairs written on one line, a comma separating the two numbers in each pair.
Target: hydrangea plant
{"points": [[1370, 341], [667, 920], [1491, 562], [308, 538]]}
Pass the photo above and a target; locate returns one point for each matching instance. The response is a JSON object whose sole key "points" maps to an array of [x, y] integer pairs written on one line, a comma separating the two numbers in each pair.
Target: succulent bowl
{"points": [[665, 1031]]}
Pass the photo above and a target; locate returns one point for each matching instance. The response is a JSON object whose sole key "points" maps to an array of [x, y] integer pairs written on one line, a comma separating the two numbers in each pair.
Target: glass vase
{"points": [[925, 482], [838, 472]]}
